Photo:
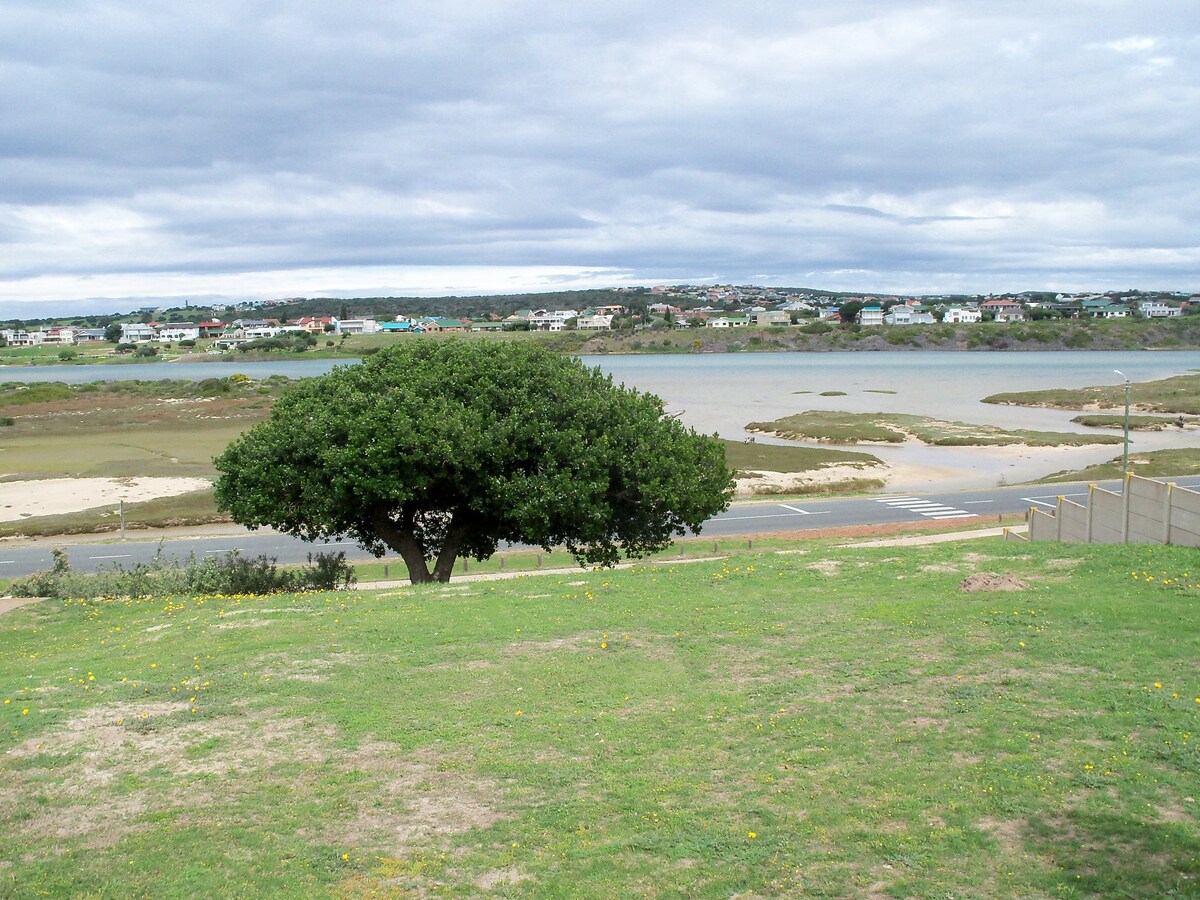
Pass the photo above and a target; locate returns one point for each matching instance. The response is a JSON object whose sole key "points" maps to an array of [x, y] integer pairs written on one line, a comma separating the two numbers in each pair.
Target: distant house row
{"points": [[600, 318]]}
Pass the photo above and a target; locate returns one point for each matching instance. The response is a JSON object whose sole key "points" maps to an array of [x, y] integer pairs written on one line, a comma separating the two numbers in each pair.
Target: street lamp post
{"points": [[1125, 458]]}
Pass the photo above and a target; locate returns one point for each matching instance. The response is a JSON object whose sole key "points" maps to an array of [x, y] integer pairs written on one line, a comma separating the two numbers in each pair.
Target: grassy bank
{"points": [[833, 723], [1136, 423], [895, 428], [1152, 464], [1179, 394]]}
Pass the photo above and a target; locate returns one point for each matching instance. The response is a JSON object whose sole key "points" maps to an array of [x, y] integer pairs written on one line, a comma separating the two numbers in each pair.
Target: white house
{"points": [[595, 323], [1010, 315], [178, 331], [19, 337], [254, 332], [551, 320], [906, 315], [1156, 309], [962, 315], [358, 326], [870, 315], [63, 335], [137, 333], [727, 321]]}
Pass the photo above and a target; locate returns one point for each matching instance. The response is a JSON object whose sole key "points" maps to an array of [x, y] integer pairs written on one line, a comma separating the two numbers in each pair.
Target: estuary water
{"points": [[723, 392]]}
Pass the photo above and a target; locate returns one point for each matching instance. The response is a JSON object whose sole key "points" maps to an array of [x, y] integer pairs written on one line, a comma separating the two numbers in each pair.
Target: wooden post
{"points": [[502, 564], [122, 520]]}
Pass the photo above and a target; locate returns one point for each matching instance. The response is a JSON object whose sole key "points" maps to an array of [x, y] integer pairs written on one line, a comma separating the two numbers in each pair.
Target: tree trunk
{"points": [[449, 553], [403, 540]]}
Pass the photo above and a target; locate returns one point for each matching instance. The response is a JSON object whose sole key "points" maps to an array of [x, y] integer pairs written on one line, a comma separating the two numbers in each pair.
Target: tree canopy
{"points": [[443, 448]]}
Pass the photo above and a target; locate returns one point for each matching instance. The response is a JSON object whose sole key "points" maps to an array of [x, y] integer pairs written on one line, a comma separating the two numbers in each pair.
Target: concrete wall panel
{"points": [[1108, 511], [1184, 499], [1073, 522], [1042, 526]]}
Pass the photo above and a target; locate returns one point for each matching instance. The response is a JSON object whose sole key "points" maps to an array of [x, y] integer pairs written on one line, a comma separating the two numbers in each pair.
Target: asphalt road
{"points": [[969, 508]]}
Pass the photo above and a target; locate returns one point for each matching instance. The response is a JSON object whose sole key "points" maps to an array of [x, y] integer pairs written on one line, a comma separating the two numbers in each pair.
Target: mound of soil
{"points": [[990, 581]]}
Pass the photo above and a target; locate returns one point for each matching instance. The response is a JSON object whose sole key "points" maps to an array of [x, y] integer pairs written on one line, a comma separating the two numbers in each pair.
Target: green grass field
{"points": [[825, 722]]}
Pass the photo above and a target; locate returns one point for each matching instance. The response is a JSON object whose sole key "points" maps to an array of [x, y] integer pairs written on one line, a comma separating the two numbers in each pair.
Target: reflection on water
{"points": [[723, 392]]}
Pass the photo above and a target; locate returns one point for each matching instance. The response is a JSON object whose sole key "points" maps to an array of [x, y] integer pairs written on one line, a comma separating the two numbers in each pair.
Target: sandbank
{"points": [[55, 496]]}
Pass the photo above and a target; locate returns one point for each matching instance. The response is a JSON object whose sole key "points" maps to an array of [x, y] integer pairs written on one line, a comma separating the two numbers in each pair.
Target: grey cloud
{"points": [[779, 137]]}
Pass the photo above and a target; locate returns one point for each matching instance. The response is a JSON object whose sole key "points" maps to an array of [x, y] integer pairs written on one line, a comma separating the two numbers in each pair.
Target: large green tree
{"points": [[445, 448]]}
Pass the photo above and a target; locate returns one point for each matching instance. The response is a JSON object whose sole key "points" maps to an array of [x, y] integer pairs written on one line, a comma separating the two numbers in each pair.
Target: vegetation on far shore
{"points": [[827, 721], [835, 427], [1177, 394]]}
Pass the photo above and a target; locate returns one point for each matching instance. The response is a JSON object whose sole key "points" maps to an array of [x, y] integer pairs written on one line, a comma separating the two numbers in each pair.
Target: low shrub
{"points": [[228, 574]]}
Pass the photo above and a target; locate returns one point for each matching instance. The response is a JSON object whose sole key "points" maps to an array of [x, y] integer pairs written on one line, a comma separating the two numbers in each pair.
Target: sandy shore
{"points": [[54, 496], [894, 475]]}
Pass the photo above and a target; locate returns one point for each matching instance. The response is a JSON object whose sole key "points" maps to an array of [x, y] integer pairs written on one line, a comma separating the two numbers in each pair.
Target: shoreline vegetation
{"points": [[845, 428], [1179, 333], [1177, 395]]}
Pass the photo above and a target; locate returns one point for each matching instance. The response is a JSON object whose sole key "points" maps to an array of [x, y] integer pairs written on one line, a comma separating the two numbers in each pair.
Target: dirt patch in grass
{"points": [[489, 881], [572, 642], [1005, 832], [284, 666], [1173, 812], [126, 741], [826, 566], [418, 799], [1061, 563], [991, 581], [103, 824]]}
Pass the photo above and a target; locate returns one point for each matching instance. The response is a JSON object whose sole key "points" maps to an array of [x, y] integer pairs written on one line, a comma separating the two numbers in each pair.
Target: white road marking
{"points": [[233, 550], [115, 556], [926, 508], [802, 512], [970, 502], [789, 515]]}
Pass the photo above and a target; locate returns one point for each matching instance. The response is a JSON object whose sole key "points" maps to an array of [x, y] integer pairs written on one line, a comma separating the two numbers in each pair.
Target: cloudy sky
{"points": [[243, 149]]}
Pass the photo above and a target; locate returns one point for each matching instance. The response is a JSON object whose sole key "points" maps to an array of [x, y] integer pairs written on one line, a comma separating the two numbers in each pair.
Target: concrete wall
{"points": [[1108, 516], [1148, 512], [1042, 526], [1072, 521], [1184, 525]]}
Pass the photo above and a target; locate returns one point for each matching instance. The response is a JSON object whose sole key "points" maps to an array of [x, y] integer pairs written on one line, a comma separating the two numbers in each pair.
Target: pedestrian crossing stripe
{"points": [[926, 508]]}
